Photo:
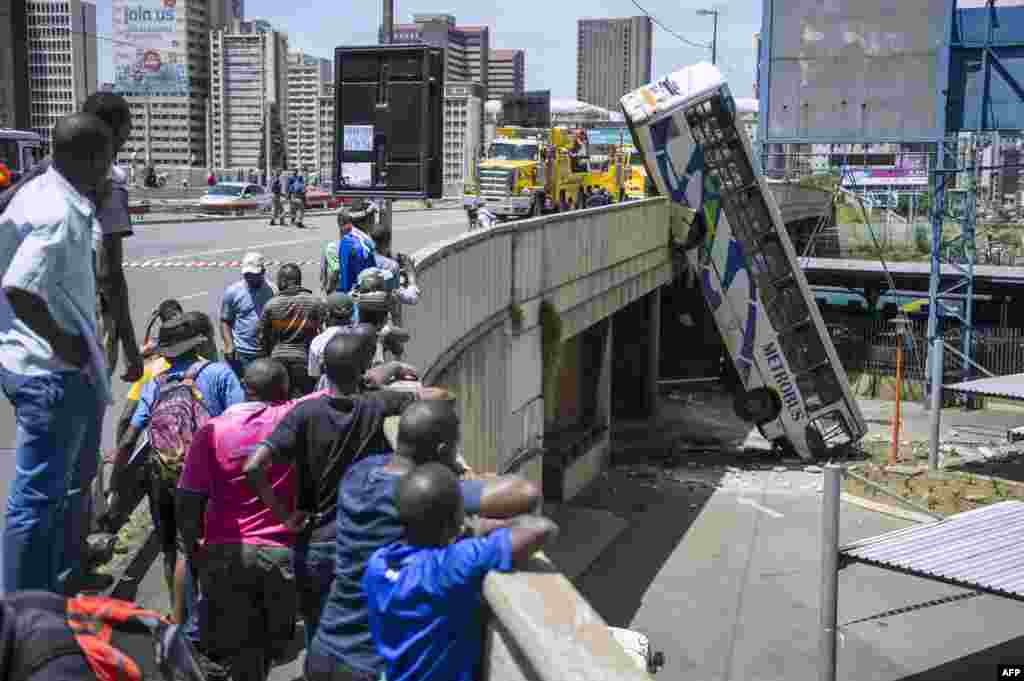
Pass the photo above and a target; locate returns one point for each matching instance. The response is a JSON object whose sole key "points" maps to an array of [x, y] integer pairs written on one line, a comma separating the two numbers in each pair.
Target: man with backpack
{"points": [[172, 407]]}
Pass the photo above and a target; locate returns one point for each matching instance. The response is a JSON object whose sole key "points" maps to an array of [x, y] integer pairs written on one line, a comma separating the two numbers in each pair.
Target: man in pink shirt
{"points": [[242, 551]]}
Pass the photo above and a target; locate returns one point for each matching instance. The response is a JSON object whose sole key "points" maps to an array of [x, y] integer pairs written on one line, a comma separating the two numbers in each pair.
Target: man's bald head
{"points": [[346, 359], [83, 149], [428, 431], [266, 380], [429, 503]]}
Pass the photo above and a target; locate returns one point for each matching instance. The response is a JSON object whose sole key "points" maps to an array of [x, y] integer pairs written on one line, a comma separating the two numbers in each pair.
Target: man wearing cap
{"points": [[337, 319], [179, 342], [240, 313]]}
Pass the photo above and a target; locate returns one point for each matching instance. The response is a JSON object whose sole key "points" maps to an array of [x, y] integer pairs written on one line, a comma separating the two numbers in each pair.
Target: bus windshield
{"points": [[506, 151]]}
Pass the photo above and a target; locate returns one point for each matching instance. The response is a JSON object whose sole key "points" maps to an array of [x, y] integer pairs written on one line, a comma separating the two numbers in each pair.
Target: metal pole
{"points": [[829, 572], [894, 452], [387, 36], [938, 213], [936, 401], [714, 38]]}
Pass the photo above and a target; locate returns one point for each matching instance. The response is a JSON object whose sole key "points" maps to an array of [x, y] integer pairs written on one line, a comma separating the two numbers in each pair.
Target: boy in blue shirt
{"points": [[424, 591]]}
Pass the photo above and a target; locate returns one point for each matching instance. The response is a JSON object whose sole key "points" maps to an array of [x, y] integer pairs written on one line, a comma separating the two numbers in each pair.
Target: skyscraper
{"points": [[507, 73], [248, 97], [463, 126], [467, 48], [308, 78], [162, 67], [613, 57], [61, 41], [14, 89]]}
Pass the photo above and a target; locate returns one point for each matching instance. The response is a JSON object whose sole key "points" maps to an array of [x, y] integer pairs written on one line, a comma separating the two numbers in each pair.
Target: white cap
{"points": [[253, 263]]}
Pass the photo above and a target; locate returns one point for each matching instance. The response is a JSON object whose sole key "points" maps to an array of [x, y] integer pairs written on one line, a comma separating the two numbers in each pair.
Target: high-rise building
{"points": [[613, 57], [14, 88], [307, 78], [507, 73], [327, 136], [248, 97], [757, 65], [61, 42], [162, 67], [467, 48], [463, 120]]}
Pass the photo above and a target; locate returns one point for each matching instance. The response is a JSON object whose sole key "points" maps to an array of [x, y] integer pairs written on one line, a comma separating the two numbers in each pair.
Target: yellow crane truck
{"points": [[531, 171]]}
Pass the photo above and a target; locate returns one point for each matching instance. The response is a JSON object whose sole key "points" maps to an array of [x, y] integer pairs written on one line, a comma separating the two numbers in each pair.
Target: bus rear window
{"points": [[819, 388], [802, 348]]}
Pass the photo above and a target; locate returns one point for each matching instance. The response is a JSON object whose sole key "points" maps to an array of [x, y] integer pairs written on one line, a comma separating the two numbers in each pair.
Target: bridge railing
{"points": [[476, 325]]}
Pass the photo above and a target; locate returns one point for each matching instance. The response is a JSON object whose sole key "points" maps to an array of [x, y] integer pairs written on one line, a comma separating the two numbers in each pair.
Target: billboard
{"points": [[148, 58], [609, 136], [879, 177], [388, 109], [865, 70]]}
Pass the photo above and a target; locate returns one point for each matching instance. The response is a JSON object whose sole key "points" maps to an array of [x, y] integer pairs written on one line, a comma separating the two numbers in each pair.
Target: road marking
{"points": [[759, 507], [193, 295], [253, 247]]}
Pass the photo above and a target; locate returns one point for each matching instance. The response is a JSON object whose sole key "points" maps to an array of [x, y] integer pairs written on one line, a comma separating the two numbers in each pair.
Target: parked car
{"points": [[235, 198], [318, 198]]}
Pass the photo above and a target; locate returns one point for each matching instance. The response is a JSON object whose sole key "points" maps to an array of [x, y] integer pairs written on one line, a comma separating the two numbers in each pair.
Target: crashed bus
{"points": [[792, 384]]}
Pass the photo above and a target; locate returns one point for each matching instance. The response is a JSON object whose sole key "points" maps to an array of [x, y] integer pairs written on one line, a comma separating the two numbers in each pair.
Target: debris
{"points": [[813, 469]]}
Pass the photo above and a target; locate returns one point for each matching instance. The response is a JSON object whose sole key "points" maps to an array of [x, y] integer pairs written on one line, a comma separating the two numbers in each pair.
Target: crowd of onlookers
{"points": [[274, 489]]}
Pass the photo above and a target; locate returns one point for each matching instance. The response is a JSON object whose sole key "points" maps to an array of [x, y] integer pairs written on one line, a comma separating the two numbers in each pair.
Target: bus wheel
{"points": [[759, 405]]}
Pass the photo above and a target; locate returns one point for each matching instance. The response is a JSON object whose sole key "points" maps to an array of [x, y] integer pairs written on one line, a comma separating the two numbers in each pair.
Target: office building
{"points": [[327, 133], [61, 49], [248, 97], [467, 48], [613, 57], [463, 126], [506, 73], [14, 88], [162, 67], [308, 76]]}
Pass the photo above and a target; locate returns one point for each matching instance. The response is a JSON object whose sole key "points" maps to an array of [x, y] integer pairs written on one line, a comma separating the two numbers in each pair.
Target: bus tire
{"points": [[758, 406]]}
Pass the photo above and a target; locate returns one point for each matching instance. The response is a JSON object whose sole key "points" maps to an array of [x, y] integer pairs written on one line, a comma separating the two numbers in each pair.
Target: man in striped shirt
{"points": [[290, 322]]}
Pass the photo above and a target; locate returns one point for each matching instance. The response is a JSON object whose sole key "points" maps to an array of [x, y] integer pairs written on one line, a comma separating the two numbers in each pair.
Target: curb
{"points": [[886, 509], [233, 218]]}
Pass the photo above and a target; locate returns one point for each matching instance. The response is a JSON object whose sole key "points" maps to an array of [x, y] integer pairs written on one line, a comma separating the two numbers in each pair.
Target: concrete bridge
{"points": [[531, 324]]}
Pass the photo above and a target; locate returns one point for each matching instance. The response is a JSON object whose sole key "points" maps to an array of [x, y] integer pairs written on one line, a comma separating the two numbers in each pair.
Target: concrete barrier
{"points": [[477, 331]]}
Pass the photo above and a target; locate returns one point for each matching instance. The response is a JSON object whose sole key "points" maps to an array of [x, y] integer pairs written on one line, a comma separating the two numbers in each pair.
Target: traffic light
{"points": [[388, 109]]}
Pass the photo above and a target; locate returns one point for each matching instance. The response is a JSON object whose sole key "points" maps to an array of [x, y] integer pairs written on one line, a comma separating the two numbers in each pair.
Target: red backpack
{"points": [[179, 411], [119, 640]]}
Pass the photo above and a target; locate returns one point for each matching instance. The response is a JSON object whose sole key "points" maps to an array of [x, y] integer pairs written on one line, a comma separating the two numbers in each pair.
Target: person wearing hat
{"points": [[179, 342], [338, 312], [241, 311]]}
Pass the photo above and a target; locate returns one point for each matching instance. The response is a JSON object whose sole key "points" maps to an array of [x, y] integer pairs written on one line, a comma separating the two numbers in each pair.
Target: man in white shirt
{"points": [[51, 367]]}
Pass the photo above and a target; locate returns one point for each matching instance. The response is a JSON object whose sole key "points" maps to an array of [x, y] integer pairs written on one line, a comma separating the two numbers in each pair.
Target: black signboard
{"points": [[388, 108]]}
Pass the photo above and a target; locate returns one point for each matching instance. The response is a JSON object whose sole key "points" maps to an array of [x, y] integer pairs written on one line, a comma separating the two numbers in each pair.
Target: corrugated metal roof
{"points": [[1010, 387], [981, 549]]}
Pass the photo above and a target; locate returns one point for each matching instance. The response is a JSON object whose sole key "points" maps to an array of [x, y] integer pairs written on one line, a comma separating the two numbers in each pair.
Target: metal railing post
{"points": [[829, 572]]}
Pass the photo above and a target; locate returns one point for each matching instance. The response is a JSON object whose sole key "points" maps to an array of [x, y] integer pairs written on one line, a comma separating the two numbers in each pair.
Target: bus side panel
{"points": [[724, 274]]}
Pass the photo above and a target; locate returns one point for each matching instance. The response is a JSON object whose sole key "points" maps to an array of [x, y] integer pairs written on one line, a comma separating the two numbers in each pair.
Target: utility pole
{"points": [[714, 35], [386, 38]]}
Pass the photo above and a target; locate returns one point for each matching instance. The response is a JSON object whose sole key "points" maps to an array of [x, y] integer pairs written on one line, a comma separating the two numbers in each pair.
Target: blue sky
{"points": [[545, 29]]}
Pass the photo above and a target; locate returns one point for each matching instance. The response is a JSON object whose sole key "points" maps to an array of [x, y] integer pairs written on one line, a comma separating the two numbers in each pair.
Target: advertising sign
{"points": [[609, 136], [874, 177], [148, 58]]}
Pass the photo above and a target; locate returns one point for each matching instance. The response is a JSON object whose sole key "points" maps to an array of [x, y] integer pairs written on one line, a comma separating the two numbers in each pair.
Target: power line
{"points": [[669, 30]]}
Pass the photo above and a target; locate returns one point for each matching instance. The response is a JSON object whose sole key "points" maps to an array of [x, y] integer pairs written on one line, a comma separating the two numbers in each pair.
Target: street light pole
{"points": [[714, 35]]}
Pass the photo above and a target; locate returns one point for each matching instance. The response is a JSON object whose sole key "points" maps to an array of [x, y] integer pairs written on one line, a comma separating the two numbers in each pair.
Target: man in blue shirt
{"points": [[367, 520], [241, 311], [297, 197], [425, 591]]}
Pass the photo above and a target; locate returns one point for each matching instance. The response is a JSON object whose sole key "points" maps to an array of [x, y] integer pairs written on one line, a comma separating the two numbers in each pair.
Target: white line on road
{"points": [[759, 507], [193, 295], [251, 247]]}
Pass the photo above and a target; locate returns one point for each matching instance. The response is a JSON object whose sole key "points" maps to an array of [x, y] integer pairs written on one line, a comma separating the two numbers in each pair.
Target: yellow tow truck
{"points": [[531, 171]]}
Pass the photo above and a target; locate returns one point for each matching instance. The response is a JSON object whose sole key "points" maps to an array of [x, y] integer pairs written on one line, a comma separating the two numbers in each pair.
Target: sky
{"points": [[545, 30]]}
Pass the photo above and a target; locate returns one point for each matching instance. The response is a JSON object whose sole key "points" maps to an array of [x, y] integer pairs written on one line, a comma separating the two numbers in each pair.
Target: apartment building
{"points": [[248, 97], [613, 57], [308, 76], [506, 74], [14, 80], [327, 133], [62, 66], [463, 125], [162, 67]]}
